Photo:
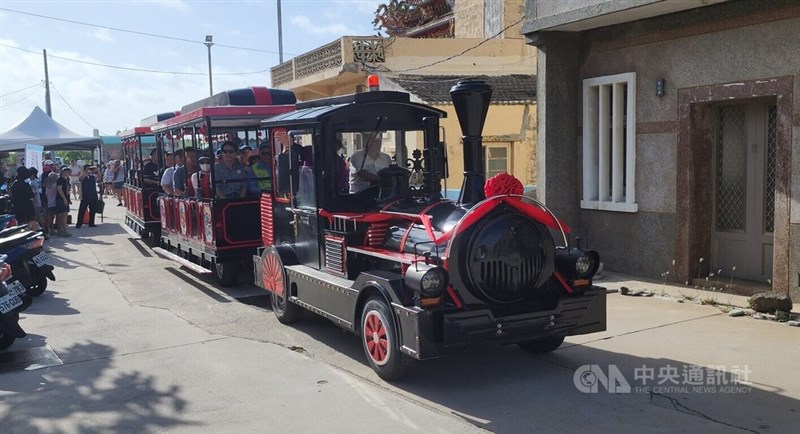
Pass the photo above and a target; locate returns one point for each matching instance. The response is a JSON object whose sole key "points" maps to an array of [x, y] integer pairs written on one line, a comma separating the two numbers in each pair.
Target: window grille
{"points": [[609, 143]]}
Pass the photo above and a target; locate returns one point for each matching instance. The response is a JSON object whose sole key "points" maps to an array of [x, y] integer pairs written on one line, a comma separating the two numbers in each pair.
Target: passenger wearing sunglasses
{"points": [[230, 176], [261, 169]]}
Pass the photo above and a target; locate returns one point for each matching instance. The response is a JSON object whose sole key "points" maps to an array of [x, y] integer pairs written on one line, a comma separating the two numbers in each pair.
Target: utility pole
{"points": [[280, 35], [209, 42], [46, 87]]}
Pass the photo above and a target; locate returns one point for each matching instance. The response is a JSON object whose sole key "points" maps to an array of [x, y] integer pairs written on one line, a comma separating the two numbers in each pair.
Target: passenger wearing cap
{"points": [[201, 182], [261, 169], [244, 155]]}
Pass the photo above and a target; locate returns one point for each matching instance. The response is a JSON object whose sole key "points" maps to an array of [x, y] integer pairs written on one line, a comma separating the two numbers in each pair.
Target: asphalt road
{"points": [[149, 347]]}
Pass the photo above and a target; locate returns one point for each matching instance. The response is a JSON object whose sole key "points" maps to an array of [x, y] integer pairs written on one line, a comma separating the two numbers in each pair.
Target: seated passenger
{"points": [[261, 168], [230, 176], [180, 184], [201, 182], [365, 165]]}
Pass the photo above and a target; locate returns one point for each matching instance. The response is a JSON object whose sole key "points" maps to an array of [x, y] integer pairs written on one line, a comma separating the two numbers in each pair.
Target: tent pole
{"points": [[46, 86]]}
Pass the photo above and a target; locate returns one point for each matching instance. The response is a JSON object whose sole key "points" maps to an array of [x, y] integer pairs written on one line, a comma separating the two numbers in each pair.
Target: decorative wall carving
{"points": [[368, 50], [326, 57]]}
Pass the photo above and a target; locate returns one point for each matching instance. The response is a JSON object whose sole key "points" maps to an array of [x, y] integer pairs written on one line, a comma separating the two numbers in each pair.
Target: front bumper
{"points": [[427, 334]]}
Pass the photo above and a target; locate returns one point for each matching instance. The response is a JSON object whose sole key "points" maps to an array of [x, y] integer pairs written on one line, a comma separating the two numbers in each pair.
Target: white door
{"points": [[744, 190]]}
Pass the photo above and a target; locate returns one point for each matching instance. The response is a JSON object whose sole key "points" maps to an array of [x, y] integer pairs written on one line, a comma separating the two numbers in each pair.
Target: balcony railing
{"points": [[348, 49]]}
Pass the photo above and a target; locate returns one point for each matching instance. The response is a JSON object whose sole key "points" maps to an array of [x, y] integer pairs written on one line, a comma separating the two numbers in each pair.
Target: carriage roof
{"points": [[317, 111]]}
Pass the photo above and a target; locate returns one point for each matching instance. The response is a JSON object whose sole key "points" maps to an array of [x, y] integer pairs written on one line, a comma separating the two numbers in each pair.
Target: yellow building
{"points": [[487, 46]]}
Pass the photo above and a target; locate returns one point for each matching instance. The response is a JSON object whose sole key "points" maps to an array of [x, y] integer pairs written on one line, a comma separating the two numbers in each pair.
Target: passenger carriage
{"points": [[204, 232], [141, 202], [413, 274]]}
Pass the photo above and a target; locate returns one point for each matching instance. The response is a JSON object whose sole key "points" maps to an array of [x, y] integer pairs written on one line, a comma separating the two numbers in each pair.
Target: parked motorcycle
{"points": [[13, 300], [29, 264]]}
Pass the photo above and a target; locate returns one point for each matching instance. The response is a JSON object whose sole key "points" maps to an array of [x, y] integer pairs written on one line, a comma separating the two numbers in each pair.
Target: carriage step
{"points": [[184, 262]]}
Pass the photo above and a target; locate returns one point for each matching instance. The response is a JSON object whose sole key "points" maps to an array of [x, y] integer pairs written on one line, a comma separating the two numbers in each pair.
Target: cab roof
{"points": [[318, 110]]}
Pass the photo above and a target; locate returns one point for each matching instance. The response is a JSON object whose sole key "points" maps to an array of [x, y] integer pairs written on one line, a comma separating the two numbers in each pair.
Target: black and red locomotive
{"points": [[411, 273]]}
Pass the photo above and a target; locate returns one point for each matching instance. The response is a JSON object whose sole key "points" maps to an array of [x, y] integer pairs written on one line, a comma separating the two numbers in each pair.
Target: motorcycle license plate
{"points": [[9, 302], [15, 288], [41, 259]]}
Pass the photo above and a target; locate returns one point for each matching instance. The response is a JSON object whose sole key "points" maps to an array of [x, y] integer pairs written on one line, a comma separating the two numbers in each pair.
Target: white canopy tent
{"points": [[40, 129]]}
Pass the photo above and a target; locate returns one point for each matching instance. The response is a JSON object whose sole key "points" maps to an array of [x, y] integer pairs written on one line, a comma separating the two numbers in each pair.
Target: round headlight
{"points": [[584, 264], [433, 282]]}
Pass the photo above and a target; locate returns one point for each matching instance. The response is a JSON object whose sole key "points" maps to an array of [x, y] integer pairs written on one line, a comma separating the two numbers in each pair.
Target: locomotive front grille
{"points": [[508, 258], [508, 279]]}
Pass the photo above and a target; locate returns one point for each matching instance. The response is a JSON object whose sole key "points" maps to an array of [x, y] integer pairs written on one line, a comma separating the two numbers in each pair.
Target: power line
{"points": [[23, 98], [71, 108], [136, 32], [465, 51], [125, 68], [20, 90]]}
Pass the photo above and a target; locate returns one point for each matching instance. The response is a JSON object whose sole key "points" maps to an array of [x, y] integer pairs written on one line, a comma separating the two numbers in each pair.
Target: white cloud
{"points": [[334, 29], [102, 35], [109, 99]]}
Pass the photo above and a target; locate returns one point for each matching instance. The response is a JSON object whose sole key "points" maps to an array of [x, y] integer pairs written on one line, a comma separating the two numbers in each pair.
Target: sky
{"points": [[84, 96]]}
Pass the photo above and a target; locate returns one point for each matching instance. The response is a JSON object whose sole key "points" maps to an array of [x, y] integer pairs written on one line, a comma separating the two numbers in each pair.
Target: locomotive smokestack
{"points": [[471, 101]]}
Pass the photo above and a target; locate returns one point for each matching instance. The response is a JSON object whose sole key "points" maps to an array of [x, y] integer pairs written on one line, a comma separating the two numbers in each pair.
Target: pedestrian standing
{"points": [[88, 196], [22, 197], [36, 187], [108, 176], [62, 202], [50, 187]]}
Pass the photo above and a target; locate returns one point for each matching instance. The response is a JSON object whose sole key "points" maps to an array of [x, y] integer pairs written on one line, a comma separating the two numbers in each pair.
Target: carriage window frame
{"points": [[609, 143]]}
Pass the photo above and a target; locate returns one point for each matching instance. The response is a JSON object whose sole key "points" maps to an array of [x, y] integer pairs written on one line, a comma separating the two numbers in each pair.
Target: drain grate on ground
{"points": [[28, 360]]}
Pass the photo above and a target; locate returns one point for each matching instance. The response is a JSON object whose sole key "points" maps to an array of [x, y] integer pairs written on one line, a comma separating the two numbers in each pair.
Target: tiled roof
{"points": [[507, 89]]}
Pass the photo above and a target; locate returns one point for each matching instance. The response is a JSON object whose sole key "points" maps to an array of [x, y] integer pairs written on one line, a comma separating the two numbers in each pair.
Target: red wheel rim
{"points": [[376, 338], [272, 277]]}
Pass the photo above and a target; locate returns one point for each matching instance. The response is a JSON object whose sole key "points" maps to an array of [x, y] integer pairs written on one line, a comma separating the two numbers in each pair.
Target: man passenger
{"points": [[230, 176], [169, 172], [180, 181], [261, 169], [150, 171], [365, 165]]}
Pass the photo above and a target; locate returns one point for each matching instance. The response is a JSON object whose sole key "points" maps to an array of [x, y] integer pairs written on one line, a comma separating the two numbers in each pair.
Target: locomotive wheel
{"points": [[544, 345], [380, 340], [274, 276], [5, 339], [225, 272]]}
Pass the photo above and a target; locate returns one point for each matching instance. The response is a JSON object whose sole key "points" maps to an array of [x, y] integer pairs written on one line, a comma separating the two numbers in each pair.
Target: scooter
{"points": [[29, 264], [13, 300]]}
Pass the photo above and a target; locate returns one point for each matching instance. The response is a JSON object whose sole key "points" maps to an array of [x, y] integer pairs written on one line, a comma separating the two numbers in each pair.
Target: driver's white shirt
{"points": [[370, 165]]}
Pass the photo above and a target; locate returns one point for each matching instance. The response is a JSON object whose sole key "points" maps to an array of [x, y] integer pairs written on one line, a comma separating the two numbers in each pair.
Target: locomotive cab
{"points": [[382, 254]]}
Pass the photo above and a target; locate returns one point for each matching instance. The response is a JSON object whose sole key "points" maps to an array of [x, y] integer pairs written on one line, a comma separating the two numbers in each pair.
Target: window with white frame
{"points": [[609, 143], [498, 159]]}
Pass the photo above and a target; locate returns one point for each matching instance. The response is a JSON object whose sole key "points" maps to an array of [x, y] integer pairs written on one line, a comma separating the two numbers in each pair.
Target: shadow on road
{"points": [[83, 396], [504, 389]]}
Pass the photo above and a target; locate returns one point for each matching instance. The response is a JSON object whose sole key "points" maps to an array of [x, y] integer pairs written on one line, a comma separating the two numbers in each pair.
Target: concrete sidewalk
{"points": [[133, 366], [148, 347]]}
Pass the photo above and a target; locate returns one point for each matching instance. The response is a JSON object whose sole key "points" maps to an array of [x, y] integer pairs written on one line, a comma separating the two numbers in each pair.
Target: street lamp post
{"points": [[209, 42]]}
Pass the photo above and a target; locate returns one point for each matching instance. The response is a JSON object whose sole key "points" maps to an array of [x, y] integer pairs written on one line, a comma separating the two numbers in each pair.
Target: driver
{"points": [[364, 166]]}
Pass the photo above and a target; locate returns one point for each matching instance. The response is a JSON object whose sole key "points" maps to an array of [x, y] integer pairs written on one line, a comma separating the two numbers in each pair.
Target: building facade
{"points": [[487, 45], [669, 133]]}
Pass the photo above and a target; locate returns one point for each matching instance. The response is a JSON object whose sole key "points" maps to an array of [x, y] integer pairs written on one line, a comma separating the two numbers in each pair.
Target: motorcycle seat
{"points": [[14, 240], [13, 229]]}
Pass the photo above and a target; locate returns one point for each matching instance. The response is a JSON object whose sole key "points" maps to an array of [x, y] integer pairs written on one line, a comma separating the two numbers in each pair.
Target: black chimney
{"points": [[471, 101]]}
